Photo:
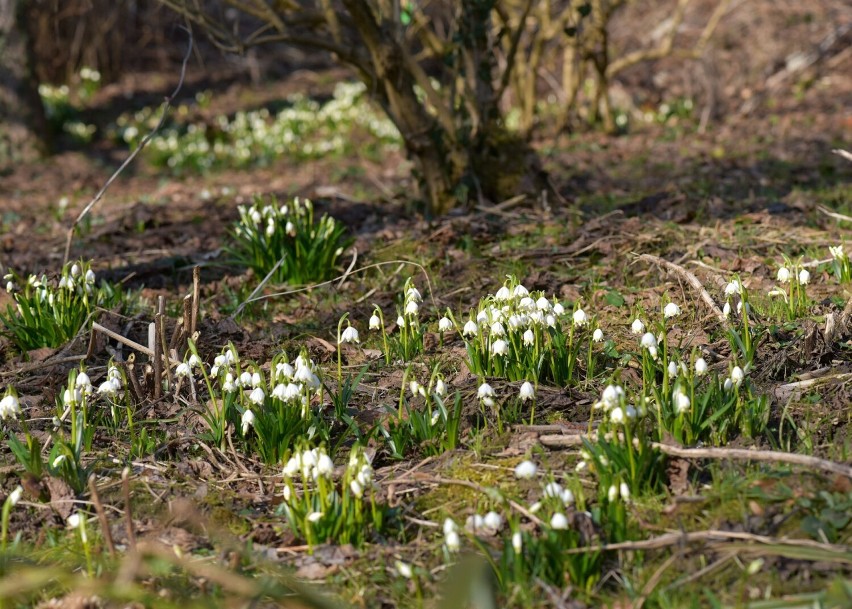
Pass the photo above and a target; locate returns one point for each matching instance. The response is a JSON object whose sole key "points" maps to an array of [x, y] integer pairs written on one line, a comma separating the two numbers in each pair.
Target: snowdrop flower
{"points": [[542, 304], [525, 470], [553, 489], [733, 288], [470, 328], [493, 521], [194, 361], [673, 369], [452, 541], [229, 385], [440, 388], [500, 347], [257, 396], [293, 466], [503, 294], [444, 324], [671, 310], [375, 322], [245, 379], [90, 277], [700, 367], [836, 252], [413, 295], [737, 376], [804, 277], [783, 274], [400, 321], [520, 291], [681, 402], [356, 488], [284, 370], [10, 407], [611, 397], [567, 497], [558, 310], [550, 320], [529, 338], [580, 318], [649, 341], [450, 526], [624, 490], [107, 388], [71, 397], [181, 371], [598, 335], [83, 380], [526, 303], [726, 310], [315, 516], [59, 460], [497, 329], [728, 384], [417, 389], [527, 391], [517, 542], [485, 391], [10, 286], [403, 569], [349, 335], [617, 415], [74, 520], [248, 420], [612, 493], [412, 308], [325, 466], [15, 496], [559, 522], [75, 270], [474, 523]]}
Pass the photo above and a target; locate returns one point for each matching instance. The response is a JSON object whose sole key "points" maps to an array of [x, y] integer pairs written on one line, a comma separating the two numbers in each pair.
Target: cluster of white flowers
{"points": [[311, 464], [735, 379], [490, 524], [75, 279], [113, 386], [615, 491], [304, 129], [614, 404]]}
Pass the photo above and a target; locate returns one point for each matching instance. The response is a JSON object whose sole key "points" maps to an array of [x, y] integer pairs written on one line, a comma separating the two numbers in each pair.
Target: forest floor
{"points": [[716, 529]]}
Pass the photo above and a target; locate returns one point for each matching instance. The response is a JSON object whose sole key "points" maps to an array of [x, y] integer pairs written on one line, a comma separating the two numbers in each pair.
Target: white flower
{"points": [[375, 322], [450, 526], [624, 490], [700, 367], [229, 385], [836, 252], [503, 294], [726, 310], [15, 495], [553, 489], [107, 388], [804, 277], [681, 402], [649, 341], [500, 347], [403, 569], [59, 460], [194, 361], [737, 376], [356, 488], [517, 542], [440, 388], [452, 541], [520, 291], [493, 521], [470, 328], [728, 384], [349, 335], [292, 467], [526, 303], [543, 304], [75, 270], [444, 324], [612, 493], [257, 396], [671, 310], [413, 295], [416, 389], [732, 288], [248, 420], [580, 317], [597, 336], [412, 308], [527, 391], [284, 370], [559, 522], [525, 470], [83, 380], [567, 497], [529, 338], [485, 391], [672, 369], [558, 310], [181, 371], [10, 407], [497, 329], [611, 396], [783, 274], [74, 520], [10, 286], [617, 415], [90, 276], [245, 379], [325, 466], [315, 516]]}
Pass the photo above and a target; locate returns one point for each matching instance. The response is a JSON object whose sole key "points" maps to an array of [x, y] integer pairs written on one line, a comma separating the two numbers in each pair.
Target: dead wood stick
{"points": [[144, 142], [677, 538], [692, 280], [166, 356], [99, 509], [736, 454], [843, 153], [126, 341], [835, 215], [196, 291], [157, 360]]}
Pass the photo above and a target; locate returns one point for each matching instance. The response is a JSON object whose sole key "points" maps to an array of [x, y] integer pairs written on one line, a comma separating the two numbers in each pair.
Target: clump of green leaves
{"points": [[49, 313], [288, 239]]}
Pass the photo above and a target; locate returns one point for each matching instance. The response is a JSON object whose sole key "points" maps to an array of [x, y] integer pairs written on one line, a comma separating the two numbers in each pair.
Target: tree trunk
{"points": [[23, 127]]}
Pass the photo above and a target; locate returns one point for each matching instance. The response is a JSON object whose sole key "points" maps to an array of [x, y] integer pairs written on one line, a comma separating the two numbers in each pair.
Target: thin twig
{"points": [[126, 341], [737, 454], [259, 286], [128, 512], [843, 153], [144, 142], [835, 215]]}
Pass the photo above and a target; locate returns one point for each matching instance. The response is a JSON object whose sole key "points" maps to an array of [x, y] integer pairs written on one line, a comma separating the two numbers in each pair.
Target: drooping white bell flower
{"points": [[500, 347], [493, 521], [737, 376], [520, 291], [525, 470], [444, 324], [470, 328], [485, 391], [580, 317], [452, 541], [783, 275], [612, 493], [527, 391], [349, 335], [257, 396], [616, 416], [598, 335], [412, 308], [681, 402], [558, 310], [624, 490], [671, 310], [248, 420], [503, 294], [559, 521], [553, 489], [700, 367], [325, 466], [733, 288], [181, 371], [804, 277], [529, 338], [375, 322], [517, 542], [10, 407]]}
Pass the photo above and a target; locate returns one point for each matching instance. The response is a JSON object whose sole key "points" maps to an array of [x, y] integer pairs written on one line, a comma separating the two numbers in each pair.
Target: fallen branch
{"points": [[126, 341], [834, 214], [844, 153], [735, 454], [144, 142], [692, 280]]}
